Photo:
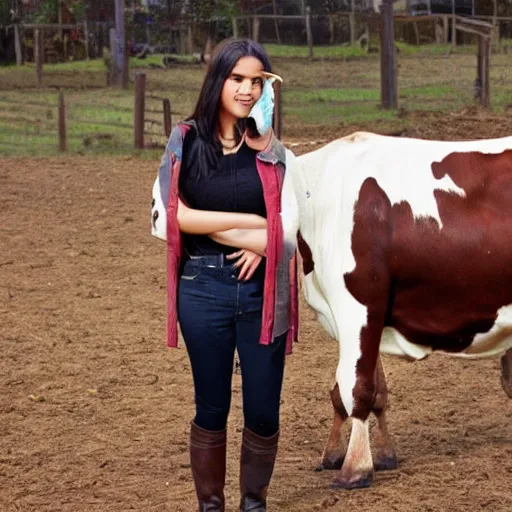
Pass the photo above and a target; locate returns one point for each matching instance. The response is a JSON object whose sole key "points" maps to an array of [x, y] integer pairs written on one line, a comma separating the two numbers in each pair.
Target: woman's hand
{"points": [[254, 240], [247, 262]]}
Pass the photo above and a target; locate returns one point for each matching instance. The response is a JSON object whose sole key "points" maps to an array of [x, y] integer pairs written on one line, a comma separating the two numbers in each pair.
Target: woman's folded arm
{"points": [[206, 222]]}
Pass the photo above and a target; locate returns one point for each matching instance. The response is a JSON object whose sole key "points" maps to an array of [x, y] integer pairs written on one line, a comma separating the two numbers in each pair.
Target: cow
{"points": [[407, 249]]}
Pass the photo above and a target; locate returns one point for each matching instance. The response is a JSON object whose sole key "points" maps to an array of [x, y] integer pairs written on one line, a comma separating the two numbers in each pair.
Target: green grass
{"points": [[340, 114], [429, 91], [331, 95], [332, 52], [98, 64], [355, 51], [434, 49]]}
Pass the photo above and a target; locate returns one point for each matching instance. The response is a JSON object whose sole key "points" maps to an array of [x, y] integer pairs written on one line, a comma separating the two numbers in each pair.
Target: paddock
{"points": [[95, 410]]}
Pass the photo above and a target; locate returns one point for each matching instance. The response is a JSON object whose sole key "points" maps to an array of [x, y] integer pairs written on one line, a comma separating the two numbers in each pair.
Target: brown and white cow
{"points": [[407, 249]]}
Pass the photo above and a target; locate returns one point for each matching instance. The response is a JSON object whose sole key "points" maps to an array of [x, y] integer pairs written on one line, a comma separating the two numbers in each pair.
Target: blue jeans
{"points": [[218, 313]]}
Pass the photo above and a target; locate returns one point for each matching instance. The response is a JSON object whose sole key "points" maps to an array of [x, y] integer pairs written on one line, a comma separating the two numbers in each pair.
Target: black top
{"points": [[234, 187]]}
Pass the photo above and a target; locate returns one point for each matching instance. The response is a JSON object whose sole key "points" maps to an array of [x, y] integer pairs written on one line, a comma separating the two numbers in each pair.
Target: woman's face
{"points": [[242, 89]]}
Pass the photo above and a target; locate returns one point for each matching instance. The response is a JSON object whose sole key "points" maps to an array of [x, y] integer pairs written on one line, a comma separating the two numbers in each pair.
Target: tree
{"points": [[274, 8]]}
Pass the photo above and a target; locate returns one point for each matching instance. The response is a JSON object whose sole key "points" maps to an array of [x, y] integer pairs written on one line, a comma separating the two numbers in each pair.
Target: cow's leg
{"points": [[334, 451], [506, 372], [360, 310], [359, 345], [357, 469], [384, 453]]}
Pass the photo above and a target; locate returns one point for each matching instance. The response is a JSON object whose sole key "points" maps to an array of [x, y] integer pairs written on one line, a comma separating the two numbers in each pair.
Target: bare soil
{"points": [[95, 410]]}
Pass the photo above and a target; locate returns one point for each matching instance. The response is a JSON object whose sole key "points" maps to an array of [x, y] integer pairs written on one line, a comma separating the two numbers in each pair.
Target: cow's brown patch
{"points": [[439, 287], [506, 372], [448, 284], [335, 449], [308, 265], [369, 284]]}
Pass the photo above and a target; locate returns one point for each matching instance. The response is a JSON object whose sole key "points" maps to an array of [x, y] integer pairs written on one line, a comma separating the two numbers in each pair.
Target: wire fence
{"points": [[81, 122]]}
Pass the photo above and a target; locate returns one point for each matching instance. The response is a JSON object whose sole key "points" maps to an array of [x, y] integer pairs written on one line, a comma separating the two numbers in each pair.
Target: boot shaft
{"points": [[256, 467], [208, 464]]}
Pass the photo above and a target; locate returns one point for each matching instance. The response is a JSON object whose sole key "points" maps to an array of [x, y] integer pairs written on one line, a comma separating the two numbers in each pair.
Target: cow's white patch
{"points": [[393, 343], [316, 299], [352, 317], [158, 221], [494, 342], [485, 345], [289, 208]]}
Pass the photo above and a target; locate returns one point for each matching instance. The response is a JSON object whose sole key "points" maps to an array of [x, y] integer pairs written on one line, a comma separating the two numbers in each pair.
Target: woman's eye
{"points": [[257, 81], [237, 79]]}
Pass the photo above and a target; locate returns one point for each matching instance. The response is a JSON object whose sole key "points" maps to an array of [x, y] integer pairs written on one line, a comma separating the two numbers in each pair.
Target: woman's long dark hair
{"points": [[203, 158]]}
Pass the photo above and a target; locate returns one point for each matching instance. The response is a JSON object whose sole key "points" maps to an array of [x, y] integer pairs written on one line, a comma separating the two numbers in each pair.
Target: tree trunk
{"points": [[331, 28], [495, 26], [274, 8], [169, 14]]}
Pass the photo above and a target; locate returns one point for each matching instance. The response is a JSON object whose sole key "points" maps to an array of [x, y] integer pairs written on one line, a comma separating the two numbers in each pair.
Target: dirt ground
{"points": [[95, 410]]}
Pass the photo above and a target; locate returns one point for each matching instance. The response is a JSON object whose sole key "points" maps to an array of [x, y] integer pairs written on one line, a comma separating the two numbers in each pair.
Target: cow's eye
{"points": [[153, 202]]}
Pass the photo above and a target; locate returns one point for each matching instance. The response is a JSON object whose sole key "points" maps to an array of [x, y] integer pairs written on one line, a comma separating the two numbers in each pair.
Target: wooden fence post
{"points": [[484, 51], [352, 22], [255, 28], [113, 76], [125, 79], [138, 116], [167, 117], [17, 45], [235, 28], [86, 40], [416, 32], [352, 26], [120, 55], [190, 39], [454, 27], [309, 34], [277, 119], [98, 40], [182, 41], [388, 86], [62, 123], [39, 55]]}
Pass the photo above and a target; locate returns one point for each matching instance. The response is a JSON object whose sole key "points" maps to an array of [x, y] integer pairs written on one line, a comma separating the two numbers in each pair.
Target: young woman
{"points": [[222, 202]]}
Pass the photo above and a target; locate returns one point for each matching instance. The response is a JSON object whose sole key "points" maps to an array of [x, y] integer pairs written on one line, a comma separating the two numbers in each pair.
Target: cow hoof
{"points": [[385, 464], [330, 464], [328, 467], [506, 375], [349, 484]]}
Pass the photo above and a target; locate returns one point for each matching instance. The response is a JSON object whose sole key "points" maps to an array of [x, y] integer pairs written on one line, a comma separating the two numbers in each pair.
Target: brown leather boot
{"points": [[256, 467], [208, 463]]}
